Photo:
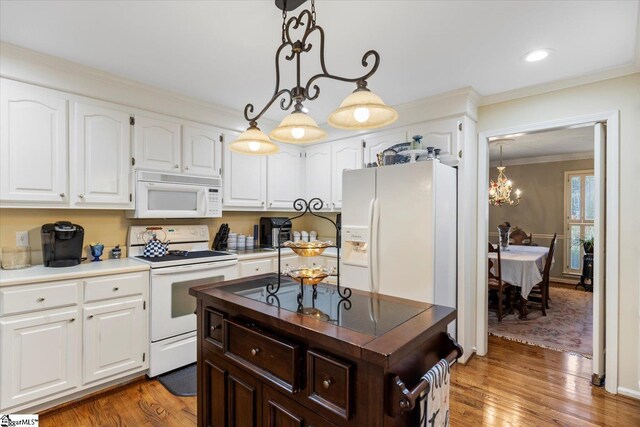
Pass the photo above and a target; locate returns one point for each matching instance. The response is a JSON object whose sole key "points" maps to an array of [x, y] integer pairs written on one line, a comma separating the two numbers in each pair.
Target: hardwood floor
{"points": [[515, 385]]}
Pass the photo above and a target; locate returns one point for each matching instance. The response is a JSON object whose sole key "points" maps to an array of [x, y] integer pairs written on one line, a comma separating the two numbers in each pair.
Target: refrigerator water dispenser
{"points": [[355, 245]]}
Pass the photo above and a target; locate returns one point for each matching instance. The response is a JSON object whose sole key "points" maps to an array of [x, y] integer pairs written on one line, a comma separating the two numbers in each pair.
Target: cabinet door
{"points": [[101, 157], [114, 338], [318, 173], [444, 134], [345, 155], [280, 411], [201, 151], [157, 144], [284, 177], [33, 144], [39, 355], [231, 397], [244, 178], [380, 141]]}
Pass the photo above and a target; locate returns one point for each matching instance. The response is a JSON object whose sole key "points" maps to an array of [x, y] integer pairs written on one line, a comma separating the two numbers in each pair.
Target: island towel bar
{"points": [[408, 397]]}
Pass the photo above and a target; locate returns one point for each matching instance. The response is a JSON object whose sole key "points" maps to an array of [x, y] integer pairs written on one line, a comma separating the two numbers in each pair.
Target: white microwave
{"points": [[161, 195]]}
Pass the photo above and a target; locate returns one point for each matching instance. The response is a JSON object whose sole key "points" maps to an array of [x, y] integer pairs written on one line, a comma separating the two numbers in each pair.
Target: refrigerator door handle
{"points": [[373, 250], [370, 248]]}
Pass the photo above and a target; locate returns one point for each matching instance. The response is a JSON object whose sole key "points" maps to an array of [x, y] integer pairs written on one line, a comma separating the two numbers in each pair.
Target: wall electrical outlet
{"points": [[22, 238]]}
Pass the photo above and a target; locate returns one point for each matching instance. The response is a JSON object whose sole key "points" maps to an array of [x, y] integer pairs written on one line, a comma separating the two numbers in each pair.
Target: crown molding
{"points": [[540, 89], [29, 66], [543, 159]]}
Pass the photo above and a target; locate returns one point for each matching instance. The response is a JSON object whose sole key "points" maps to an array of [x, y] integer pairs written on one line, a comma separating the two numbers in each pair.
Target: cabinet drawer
{"points": [[213, 326], [329, 383], [255, 267], [24, 298], [106, 287], [259, 351], [286, 262]]}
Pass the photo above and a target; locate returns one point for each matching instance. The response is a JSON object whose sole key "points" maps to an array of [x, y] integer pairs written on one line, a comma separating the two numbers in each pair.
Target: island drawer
{"points": [[213, 326], [264, 353], [25, 298], [329, 383]]}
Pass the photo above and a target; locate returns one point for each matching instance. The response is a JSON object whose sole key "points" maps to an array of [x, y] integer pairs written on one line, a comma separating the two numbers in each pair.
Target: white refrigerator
{"points": [[399, 231]]}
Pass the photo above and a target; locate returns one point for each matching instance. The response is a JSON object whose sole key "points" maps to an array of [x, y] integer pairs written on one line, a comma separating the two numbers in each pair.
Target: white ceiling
{"points": [[551, 143], [223, 51]]}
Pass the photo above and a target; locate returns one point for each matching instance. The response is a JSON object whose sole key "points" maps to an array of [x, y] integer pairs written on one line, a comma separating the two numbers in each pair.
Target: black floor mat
{"points": [[181, 382]]}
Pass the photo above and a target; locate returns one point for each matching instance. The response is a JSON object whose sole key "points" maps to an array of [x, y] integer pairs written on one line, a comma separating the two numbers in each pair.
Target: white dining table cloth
{"points": [[522, 266]]}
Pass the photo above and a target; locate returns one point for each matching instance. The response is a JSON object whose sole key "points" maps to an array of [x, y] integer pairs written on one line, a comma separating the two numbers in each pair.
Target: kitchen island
{"points": [[352, 362]]}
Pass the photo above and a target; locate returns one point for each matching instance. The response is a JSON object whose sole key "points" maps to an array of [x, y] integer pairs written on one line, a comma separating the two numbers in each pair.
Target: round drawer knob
{"points": [[116, 289], [62, 195], [176, 166], [81, 196], [41, 299], [257, 268], [215, 327], [326, 384], [255, 351]]}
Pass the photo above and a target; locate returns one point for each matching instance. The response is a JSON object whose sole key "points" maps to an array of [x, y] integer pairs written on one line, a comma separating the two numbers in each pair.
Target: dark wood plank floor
{"points": [[515, 385]]}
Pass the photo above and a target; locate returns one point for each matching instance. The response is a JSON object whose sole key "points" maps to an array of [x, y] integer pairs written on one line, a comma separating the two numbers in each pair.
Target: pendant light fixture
{"points": [[500, 189], [360, 110], [253, 141]]}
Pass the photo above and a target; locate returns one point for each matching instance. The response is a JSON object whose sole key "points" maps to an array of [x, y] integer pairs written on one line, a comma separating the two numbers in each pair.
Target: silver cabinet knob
{"points": [[216, 327], [186, 168], [257, 268], [326, 384], [90, 316], [63, 195], [41, 299], [81, 196], [116, 289], [255, 351], [73, 319], [176, 166], [262, 203]]}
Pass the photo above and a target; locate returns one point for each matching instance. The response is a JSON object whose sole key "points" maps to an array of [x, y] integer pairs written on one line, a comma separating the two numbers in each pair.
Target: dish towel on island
{"points": [[434, 405]]}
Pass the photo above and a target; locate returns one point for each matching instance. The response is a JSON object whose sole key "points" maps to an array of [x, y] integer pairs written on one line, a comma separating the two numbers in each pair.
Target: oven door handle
{"points": [[193, 267]]}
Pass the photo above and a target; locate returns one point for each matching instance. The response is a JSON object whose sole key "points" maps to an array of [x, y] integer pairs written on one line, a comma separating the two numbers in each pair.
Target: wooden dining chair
{"points": [[497, 285], [540, 292]]}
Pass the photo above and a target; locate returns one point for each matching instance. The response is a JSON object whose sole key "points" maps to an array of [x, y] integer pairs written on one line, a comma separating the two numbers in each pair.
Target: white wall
{"points": [[621, 94]]}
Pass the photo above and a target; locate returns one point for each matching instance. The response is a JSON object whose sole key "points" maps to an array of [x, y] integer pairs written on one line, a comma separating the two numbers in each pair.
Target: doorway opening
{"points": [[600, 215], [550, 211]]}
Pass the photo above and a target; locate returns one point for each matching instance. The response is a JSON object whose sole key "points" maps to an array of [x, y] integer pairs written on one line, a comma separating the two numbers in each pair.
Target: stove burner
{"points": [[179, 253]]}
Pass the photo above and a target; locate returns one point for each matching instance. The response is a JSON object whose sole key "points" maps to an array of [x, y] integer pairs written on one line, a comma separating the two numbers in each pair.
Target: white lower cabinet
{"points": [[53, 345], [286, 262], [39, 355], [113, 339], [254, 267]]}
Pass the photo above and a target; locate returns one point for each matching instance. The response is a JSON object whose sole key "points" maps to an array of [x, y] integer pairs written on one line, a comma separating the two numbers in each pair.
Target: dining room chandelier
{"points": [[500, 189], [362, 109]]}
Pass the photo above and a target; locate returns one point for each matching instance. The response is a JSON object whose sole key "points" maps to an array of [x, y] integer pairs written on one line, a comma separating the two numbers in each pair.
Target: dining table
{"points": [[522, 266]]}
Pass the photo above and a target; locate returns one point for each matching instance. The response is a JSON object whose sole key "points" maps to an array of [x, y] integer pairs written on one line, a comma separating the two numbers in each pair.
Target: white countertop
{"points": [[40, 273]]}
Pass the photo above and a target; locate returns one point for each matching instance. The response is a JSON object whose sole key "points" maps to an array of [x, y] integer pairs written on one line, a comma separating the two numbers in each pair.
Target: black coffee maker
{"points": [[270, 227], [62, 244]]}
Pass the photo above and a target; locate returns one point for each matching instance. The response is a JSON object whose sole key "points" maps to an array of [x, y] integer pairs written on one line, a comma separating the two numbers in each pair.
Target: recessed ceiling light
{"points": [[537, 55]]}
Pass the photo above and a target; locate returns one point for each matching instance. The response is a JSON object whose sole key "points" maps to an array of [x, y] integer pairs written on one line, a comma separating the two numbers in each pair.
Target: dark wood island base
{"points": [[260, 363]]}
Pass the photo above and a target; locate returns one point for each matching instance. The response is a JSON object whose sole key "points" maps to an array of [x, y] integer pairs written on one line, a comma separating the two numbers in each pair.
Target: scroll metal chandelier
{"points": [[500, 189], [362, 109]]}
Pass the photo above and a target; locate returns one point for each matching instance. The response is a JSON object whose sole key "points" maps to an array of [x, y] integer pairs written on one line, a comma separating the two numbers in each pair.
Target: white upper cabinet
{"points": [[244, 178], [285, 182], [201, 150], [380, 141], [444, 134], [33, 144], [157, 144], [101, 162], [318, 173], [345, 155]]}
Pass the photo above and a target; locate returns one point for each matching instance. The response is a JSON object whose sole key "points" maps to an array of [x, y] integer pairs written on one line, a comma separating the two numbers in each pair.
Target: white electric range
{"points": [[190, 263]]}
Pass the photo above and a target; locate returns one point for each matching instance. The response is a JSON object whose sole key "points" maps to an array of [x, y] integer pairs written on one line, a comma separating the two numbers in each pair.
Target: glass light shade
{"points": [[298, 128], [254, 141], [362, 109]]}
